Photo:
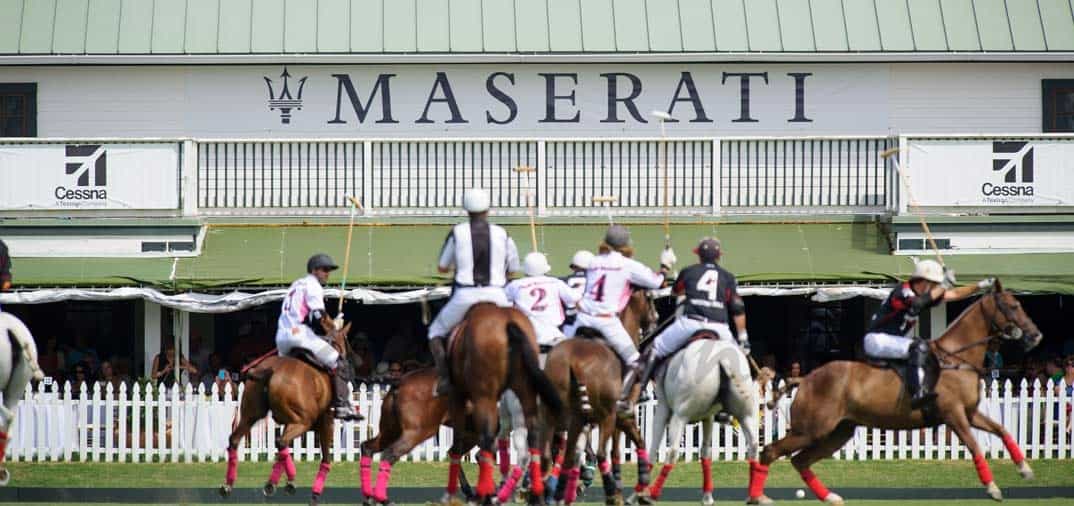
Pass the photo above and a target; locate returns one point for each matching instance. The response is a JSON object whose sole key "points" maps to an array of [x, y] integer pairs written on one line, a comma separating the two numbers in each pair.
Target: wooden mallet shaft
{"points": [[888, 153], [347, 254], [526, 169]]}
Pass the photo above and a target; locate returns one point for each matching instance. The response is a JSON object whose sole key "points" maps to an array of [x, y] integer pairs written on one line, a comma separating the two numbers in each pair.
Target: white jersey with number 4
{"points": [[304, 296], [542, 299], [608, 283]]}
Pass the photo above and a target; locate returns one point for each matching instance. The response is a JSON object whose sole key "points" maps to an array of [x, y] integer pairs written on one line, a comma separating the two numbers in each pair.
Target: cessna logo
{"points": [[285, 101], [88, 165], [1013, 160]]}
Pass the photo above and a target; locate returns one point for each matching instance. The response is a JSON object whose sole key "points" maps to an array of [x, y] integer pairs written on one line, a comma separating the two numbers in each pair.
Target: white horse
{"points": [[702, 379], [18, 363]]}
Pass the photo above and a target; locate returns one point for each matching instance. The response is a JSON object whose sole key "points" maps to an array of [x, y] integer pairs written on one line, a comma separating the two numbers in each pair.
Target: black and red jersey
{"points": [[899, 312], [709, 290]]}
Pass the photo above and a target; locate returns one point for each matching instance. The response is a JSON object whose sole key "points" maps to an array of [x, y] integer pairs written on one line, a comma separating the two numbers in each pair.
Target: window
{"points": [[1058, 105], [18, 110]]}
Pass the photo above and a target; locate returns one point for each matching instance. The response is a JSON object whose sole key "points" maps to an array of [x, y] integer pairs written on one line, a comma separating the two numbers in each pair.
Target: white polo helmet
{"points": [[930, 270], [582, 259], [475, 200], [536, 264]]}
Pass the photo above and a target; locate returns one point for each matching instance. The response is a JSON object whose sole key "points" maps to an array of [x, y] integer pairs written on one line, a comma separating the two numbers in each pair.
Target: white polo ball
{"points": [[799, 493]]}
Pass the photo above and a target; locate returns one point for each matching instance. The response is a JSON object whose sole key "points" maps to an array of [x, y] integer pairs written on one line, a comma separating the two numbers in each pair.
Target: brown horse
{"points": [[587, 375], [839, 396], [495, 344], [298, 395]]}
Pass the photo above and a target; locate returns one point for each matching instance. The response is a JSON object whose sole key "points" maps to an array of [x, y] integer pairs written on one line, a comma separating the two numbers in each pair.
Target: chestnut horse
{"points": [[298, 395], [839, 396], [588, 375]]}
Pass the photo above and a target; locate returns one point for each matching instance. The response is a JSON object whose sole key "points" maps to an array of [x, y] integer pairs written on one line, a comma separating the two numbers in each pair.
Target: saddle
{"points": [[901, 368]]}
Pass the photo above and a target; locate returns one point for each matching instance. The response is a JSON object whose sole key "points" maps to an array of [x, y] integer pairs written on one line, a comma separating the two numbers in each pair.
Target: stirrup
{"points": [[624, 410], [347, 413]]}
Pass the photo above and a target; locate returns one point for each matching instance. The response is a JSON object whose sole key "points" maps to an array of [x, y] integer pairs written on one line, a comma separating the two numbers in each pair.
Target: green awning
{"points": [[405, 255]]}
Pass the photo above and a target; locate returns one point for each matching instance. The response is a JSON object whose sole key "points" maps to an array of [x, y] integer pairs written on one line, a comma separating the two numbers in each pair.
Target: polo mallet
{"points": [[606, 201], [888, 153], [346, 260], [663, 116], [526, 169]]}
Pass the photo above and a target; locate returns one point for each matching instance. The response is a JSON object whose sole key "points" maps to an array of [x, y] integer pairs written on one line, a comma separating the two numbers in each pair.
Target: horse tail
{"points": [[788, 385], [520, 343], [24, 341]]}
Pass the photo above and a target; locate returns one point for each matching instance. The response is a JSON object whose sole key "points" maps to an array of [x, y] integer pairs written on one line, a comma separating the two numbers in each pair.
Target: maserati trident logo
{"points": [[285, 101]]}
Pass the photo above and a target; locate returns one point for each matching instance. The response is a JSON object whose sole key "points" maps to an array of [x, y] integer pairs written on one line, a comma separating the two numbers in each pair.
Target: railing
{"points": [[155, 424]]}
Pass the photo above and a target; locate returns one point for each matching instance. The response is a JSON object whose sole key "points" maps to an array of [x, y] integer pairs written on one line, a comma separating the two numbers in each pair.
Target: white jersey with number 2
{"points": [[542, 298], [608, 281]]}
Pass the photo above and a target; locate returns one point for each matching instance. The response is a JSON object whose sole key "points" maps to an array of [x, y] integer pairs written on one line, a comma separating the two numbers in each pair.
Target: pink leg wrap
{"points": [[509, 484], [706, 475], [658, 485], [983, 471], [277, 471], [536, 481], [604, 466], [643, 463], [232, 466], [453, 473], [366, 467], [814, 484], [504, 447], [485, 486], [380, 493], [322, 474], [571, 492], [1013, 449], [758, 475]]}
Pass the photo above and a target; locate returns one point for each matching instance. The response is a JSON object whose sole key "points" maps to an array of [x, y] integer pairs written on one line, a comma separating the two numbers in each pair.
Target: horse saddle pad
{"points": [[932, 369], [307, 357]]}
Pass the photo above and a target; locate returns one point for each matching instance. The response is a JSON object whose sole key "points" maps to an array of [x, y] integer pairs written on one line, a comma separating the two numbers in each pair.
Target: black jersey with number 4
{"points": [[708, 289]]}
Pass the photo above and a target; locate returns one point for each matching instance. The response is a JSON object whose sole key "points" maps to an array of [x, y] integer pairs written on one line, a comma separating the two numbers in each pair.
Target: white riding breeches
{"points": [[679, 332], [303, 337], [547, 335], [612, 330], [461, 299], [881, 345]]}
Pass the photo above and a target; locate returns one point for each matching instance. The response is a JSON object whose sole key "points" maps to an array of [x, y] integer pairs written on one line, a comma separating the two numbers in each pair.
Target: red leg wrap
{"points": [[758, 475], [453, 474], [504, 447], [706, 475], [983, 471], [658, 485], [536, 481], [1012, 448], [571, 492], [485, 486], [814, 484], [3, 445]]}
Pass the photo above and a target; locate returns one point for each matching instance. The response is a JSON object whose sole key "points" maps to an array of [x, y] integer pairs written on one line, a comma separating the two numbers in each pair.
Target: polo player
{"points": [[576, 281], [711, 300], [542, 298], [888, 337], [299, 326], [610, 278], [482, 255]]}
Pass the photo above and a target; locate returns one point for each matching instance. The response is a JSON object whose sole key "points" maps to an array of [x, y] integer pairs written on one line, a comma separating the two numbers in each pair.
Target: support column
{"points": [[937, 320], [150, 334], [181, 330]]}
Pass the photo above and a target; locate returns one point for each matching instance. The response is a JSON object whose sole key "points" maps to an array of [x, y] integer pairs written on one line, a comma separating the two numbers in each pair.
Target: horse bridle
{"points": [[1010, 331]]}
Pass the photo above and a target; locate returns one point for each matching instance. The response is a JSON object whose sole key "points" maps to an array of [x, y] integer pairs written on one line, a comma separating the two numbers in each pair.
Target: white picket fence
{"points": [[181, 425]]}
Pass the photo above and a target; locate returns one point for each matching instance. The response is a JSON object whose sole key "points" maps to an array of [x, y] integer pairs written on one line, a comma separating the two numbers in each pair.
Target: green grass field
{"points": [[835, 474]]}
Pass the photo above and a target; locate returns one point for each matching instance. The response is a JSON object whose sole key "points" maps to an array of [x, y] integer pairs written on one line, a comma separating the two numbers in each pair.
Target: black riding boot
{"points": [[341, 402], [443, 384], [915, 375], [639, 375]]}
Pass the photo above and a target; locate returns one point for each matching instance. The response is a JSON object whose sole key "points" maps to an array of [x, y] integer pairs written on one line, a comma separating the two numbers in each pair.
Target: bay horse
{"points": [[18, 364], [707, 376], [839, 396], [298, 395], [587, 375]]}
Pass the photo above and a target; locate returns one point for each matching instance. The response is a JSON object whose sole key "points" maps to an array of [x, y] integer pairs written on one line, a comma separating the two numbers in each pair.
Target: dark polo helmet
{"points": [[708, 250], [617, 236], [320, 261]]}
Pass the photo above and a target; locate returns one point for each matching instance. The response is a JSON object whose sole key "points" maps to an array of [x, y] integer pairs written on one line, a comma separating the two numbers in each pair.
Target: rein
{"points": [[994, 331]]}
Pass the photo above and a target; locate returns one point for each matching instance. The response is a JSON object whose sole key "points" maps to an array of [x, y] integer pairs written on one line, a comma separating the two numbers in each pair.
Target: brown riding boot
{"points": [[439, 352]]}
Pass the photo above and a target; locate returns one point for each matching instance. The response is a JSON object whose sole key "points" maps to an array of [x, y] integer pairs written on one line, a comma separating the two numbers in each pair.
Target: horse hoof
{"points": [[225, 490], [994, 492], [289, 488], [269, 490], [5, 477], [707, 499], [761, 499], [645, 500], [835, 499], [1025, 471]]}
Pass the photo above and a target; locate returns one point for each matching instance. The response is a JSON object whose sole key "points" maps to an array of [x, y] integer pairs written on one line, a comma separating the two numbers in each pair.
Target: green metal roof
{"points": [[371, 27], [404, 255]]}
